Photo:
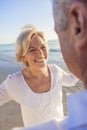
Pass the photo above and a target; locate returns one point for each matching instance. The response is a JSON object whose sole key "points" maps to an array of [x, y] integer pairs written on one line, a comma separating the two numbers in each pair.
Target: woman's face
{"points": [[37, 54]]}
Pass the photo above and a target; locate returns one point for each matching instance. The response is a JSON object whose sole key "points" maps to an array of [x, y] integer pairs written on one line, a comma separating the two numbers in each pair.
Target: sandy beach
{"points": [[10, 114]]}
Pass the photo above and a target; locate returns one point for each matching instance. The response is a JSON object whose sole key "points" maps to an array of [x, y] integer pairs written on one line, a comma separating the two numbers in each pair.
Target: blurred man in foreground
{"points": [[70, 18]]}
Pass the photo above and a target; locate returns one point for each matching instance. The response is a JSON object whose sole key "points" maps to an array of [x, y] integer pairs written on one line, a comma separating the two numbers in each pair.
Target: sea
{"points": [[7, 53]]}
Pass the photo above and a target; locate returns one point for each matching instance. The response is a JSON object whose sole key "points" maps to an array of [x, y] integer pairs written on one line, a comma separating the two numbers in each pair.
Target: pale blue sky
{"points": [[14, 14]]}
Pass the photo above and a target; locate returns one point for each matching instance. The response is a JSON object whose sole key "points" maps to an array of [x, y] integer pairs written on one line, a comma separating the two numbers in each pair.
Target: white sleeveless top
{"points": [[37, 107]]}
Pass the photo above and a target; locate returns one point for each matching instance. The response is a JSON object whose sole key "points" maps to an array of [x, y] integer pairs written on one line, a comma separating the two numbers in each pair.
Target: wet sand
{"points": [[10, 113]]}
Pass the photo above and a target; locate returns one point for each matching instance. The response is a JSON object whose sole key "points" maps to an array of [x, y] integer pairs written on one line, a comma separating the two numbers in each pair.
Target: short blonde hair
{"points": [[24, 39]]}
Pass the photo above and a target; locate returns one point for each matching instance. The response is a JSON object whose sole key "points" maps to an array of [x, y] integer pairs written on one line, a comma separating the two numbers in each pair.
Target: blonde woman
{"points": [[38, 87]]}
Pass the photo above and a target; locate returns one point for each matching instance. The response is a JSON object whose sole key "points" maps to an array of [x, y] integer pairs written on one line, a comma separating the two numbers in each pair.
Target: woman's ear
{"points": [[78, 26]]}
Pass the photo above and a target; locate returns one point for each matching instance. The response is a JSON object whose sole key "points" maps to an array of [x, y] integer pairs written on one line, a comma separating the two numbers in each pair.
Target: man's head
{"points": [[70, 18]]}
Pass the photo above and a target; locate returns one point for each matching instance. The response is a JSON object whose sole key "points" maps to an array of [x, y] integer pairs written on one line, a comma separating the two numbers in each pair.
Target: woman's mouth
{"points": [[40, 60]]}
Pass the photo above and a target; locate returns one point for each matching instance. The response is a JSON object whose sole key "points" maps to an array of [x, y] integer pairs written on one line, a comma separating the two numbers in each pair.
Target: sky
{"points": [[14, 14]]}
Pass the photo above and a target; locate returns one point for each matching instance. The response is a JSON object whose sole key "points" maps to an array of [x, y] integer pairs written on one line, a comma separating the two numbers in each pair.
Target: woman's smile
{"points": [[40, 59]]}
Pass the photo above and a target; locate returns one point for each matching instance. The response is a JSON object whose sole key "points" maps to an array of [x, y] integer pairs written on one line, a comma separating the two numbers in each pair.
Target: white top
{"points": [[50, 125], [37, 107], [76, 119], [77, 107], [77, 113]]}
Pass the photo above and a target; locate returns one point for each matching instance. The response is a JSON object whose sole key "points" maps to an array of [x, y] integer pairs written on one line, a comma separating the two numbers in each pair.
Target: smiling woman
{"points": [[38, 86], [37, 54]]}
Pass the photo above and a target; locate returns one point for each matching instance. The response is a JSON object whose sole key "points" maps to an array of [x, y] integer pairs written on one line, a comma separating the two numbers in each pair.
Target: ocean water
{"points": [[7, 53]]}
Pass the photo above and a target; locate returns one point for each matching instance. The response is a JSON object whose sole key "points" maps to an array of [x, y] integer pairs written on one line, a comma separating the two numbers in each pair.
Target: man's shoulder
{"points": [[77, 109]]}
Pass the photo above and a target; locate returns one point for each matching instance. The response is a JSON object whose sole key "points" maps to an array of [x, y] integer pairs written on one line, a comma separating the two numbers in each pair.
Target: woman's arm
{"points": [[67, 79], [4, 97]]}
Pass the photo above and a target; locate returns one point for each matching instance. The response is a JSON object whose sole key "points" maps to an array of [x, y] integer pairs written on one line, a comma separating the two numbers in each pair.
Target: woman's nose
{"points": [[40, 52]]}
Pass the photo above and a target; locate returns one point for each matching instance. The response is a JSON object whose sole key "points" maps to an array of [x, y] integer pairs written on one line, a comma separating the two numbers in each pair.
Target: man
{"points": [[70, 18]]}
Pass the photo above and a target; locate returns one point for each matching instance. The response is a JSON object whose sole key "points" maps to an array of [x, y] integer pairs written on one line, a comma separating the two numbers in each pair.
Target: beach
{"points": [[10, 113]]}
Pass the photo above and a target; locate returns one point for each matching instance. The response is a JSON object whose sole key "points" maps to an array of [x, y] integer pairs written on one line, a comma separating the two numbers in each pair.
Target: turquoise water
{"points": [[7, 52]]}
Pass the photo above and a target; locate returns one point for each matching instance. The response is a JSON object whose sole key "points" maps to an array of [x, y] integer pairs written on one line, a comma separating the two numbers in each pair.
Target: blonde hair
{"points": [[24, 39]]}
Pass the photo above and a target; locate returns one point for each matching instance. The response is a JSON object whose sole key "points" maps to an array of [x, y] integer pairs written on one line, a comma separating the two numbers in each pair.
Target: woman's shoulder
{"points": [[56, 70], [12, 79], [54, 67], [14, 76]]}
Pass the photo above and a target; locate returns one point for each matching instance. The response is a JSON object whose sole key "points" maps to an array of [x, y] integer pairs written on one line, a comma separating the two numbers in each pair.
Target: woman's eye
{"points": [[32, 50], [43, 47]]}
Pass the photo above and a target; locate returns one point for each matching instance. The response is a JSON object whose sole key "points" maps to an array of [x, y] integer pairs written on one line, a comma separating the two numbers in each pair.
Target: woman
{"points": [[38, 87]]}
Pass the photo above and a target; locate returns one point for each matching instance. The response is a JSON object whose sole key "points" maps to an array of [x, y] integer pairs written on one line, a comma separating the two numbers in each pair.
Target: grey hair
{"points": [[60, 12]]}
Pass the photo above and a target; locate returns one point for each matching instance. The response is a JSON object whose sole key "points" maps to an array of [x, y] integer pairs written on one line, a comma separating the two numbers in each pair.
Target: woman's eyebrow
{"points": [[31, 47]]}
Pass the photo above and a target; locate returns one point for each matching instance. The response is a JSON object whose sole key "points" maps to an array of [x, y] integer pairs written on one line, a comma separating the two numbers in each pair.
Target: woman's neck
{"points": [[37, 73]]}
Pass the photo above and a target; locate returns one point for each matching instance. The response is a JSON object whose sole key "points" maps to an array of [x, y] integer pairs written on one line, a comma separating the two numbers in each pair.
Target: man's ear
{"points": [[78, 24]]}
